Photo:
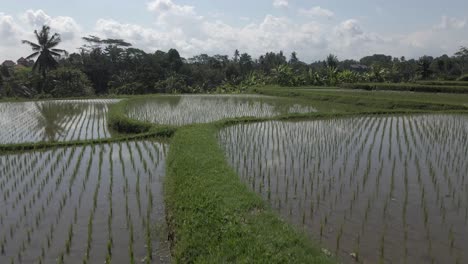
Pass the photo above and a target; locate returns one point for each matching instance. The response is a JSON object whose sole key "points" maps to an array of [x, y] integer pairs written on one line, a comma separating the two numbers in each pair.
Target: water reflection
{"points": [[60, 120], [52, 117], [187, 109]]}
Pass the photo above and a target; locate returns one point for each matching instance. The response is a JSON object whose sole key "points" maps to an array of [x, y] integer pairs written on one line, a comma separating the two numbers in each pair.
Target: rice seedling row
{"points": [[61, 120], [188, 109], [371, 189], [60, 206]]}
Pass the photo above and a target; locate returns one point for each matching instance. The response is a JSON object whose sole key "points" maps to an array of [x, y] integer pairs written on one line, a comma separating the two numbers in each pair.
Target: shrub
{"points": [[174, 83], [18, 82], [68, 82], [129, 88]]}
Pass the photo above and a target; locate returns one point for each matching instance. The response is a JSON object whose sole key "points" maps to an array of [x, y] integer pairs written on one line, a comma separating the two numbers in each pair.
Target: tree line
{"points": [[114, 66]]}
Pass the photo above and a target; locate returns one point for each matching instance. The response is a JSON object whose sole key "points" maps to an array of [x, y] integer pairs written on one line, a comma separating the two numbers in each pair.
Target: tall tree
{"points": [[45, 50], [332, 61], [236, 56], [462, 56], [293, 60], [424, 64], [245, 63]]}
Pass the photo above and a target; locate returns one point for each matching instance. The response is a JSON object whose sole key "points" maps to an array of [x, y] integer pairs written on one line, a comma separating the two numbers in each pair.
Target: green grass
{"points": [[214, 218], [444, 83], [162, 134], [457, 87], [358, 101]]}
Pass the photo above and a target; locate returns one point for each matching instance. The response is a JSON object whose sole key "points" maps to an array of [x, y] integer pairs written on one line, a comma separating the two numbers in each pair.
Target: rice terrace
{"points": [[140, 142]]}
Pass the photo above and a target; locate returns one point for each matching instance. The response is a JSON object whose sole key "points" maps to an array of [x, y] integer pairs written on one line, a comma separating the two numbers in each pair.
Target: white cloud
{"points": [[9, 30], [316, 12], [141, 37], [167, 6], [181, 27], [169, 14], [451, 23], [280, 3], [14, 29], [68, 28]]}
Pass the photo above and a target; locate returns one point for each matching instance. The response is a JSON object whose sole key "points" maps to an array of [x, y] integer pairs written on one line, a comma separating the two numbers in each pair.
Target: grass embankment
{"points": [[214, 218], [360, 101], [443, 83], [434, 87], [5, 148]]}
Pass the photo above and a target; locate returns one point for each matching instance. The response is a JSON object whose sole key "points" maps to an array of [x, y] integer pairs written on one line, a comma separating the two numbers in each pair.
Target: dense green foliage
{"points": [[18, 82], [113, 66], [68, 82]]}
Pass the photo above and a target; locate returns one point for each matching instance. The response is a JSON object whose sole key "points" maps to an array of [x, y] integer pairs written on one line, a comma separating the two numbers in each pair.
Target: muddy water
{"points": [[188, 109], [387, 189], [60, 120], [84, 203]]}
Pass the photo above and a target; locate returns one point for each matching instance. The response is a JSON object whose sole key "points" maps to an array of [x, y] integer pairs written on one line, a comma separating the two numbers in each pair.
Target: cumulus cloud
{"points": [[280, 3], [271, 34], [142, 37], [9, 30], [68, 28], [169, 14], [13, 29], [316, 12], [181, 27]]}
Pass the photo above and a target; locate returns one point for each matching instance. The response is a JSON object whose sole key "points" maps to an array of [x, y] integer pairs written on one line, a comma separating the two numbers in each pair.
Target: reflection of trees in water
{"points": [[99, 110], [52, 117]]}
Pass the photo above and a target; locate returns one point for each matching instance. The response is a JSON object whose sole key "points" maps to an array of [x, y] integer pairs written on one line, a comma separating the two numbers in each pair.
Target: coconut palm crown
{"points": [[45, 50]]}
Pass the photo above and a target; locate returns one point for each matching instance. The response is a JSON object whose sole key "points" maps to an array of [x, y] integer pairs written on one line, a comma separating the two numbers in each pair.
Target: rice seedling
{"points": [[58, 120], [65, 198], [397, 176], [188, 109]]}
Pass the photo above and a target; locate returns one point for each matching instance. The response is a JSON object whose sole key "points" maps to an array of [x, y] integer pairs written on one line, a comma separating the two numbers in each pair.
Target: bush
{"points": [[18, 82], [68, 82], [129, 88], [348, 76], [173, 84]]}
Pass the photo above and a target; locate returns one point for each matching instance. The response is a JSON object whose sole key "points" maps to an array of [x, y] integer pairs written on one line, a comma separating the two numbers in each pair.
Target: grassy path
{"points": [[214, 218]]}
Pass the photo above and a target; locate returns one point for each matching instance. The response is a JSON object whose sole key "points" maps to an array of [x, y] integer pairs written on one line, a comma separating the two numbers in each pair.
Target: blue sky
{"points": [[313, 28]]}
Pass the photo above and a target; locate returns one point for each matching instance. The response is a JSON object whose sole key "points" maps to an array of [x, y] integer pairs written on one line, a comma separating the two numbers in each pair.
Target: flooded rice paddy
{"points": [[84, 204], [60, 120], [188, 109], [388, 189]]}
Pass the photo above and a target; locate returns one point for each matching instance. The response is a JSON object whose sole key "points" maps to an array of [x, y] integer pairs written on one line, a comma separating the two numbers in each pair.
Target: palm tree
{"points": [[45, 50], [332, 61]]}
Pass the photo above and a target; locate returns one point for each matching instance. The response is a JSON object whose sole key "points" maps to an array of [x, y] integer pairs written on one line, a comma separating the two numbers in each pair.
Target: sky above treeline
{"points": [[312, 28]]}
